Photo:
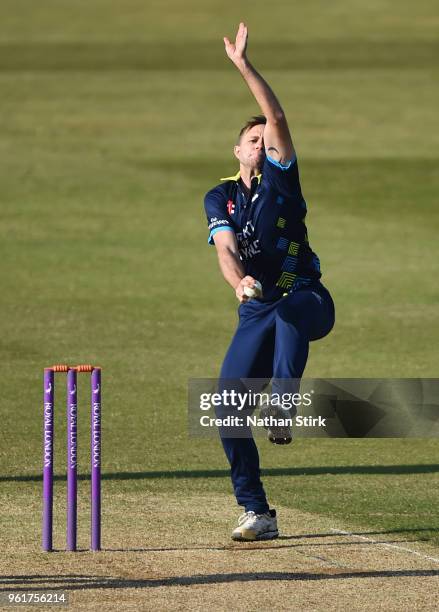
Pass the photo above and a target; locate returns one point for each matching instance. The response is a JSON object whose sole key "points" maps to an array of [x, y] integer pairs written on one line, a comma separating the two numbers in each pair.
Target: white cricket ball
{"points": [[253, 292]]}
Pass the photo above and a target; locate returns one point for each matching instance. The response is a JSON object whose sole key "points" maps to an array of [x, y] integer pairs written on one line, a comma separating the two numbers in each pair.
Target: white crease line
{"points": [[385, 544], [323, 560]]}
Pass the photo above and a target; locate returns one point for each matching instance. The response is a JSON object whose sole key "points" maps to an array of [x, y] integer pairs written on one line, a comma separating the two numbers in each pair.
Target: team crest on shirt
{"points": [[230, 207]]}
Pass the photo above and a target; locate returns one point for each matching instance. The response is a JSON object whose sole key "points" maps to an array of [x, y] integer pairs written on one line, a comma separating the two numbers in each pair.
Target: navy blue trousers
{"points": [[271, 341]]}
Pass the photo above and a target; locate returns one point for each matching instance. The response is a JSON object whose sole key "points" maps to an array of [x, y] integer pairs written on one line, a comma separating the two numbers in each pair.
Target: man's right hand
{"points": [[237, 51], [247, 281]]}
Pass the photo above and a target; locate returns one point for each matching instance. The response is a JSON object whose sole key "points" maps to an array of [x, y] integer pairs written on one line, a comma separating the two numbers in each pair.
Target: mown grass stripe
{"points": [[207, 55]]}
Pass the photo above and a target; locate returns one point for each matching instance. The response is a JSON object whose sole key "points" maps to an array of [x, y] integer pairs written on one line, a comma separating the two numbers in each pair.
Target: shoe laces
{"points": [[249, 516]]}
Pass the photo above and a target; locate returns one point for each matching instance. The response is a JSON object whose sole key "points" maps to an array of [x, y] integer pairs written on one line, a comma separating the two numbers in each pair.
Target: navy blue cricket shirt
{"points": [[269, 227]]}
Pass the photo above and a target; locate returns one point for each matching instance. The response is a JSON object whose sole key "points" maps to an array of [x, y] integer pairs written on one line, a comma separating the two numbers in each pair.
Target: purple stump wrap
{"points": [[48, 432], [72, 459], [95, 454]]}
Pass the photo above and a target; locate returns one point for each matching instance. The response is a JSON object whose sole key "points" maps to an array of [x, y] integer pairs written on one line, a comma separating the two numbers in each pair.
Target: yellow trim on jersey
{"points": [[232, 178], [238, 176]]}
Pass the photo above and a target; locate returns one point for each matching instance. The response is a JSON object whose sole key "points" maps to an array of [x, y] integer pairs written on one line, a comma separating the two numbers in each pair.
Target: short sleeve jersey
{"points": [[269, 227]]}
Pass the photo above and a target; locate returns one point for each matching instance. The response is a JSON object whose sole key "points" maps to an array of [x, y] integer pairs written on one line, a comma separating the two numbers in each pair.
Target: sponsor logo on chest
{"points": [[248, 245]]}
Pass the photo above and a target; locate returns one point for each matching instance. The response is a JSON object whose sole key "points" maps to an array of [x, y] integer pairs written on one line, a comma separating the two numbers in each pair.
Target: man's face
{"points": [[250, 151]]}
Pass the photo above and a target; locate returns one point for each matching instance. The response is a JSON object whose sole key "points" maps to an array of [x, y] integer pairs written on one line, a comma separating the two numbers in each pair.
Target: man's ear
{"points": [[236, 150]]}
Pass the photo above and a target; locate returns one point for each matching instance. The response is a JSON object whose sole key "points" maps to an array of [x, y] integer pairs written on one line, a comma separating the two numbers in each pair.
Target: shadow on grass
{"points": [[428, 468], [253, 546], [269, 545], [79, 582]]}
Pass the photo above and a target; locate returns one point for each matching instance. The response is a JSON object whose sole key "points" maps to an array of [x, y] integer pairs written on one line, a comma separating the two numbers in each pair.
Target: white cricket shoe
{"points": [[252, 526]]}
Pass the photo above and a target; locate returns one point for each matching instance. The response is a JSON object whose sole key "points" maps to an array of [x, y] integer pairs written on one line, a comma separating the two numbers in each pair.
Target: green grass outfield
{"points": [[115, 119]]}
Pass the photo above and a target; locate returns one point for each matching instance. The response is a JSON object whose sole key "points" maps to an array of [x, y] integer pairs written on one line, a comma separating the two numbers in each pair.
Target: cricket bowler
{"points": [[256, 221]]}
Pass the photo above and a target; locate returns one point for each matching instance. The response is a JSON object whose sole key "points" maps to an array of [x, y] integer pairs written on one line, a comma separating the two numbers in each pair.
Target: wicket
{"points": [[72, 453]]}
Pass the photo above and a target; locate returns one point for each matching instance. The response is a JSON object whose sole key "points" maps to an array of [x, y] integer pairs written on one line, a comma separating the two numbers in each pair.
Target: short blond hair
{"points": [[256, 120]]}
